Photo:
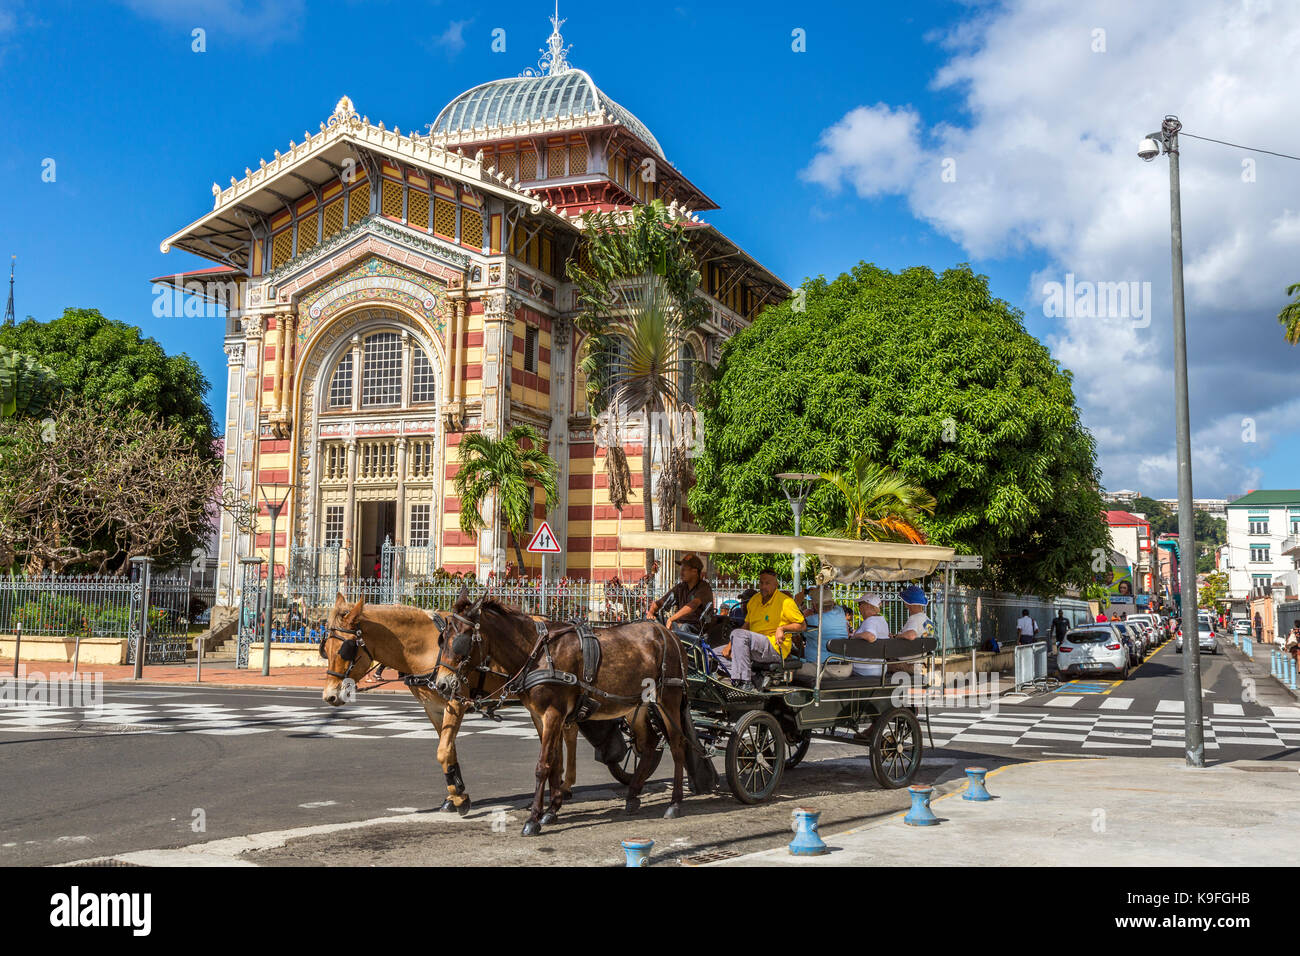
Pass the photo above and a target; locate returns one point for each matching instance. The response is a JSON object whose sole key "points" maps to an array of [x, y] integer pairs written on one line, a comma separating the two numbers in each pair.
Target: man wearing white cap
{"points": [[873, 628]]}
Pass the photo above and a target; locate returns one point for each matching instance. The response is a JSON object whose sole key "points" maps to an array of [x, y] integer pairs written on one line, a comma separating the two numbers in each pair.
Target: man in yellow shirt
{"points": [[770, 618]]}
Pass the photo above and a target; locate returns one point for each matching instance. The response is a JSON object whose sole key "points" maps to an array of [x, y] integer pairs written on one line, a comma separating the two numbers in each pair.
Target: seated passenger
{"points": [[917, 625], [770, 618], [873, 628], [690, 596], [828, 617]]}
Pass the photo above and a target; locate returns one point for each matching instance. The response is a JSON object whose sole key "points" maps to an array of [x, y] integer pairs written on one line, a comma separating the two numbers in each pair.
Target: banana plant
{"points": [[27, 388]]}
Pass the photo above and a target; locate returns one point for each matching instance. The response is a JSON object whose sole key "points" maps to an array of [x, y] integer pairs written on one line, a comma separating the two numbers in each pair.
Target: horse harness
{"points": [[526, 678]]}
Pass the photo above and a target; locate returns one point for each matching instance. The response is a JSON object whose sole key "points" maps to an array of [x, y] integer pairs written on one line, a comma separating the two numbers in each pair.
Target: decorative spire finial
{"points": [[553, 61]]}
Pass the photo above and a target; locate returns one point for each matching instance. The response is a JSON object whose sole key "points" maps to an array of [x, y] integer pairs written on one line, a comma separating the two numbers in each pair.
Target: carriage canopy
{"points": [[842, 559]]}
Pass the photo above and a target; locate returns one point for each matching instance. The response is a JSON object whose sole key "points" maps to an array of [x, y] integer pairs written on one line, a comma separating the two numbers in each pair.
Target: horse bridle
{"points": [[347, 650]]}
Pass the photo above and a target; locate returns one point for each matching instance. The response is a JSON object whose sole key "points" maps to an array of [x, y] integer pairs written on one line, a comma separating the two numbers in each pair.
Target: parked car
{"points": [[1131, 639], [1093, 649], [1150, 626], [1205, 639], [1241, 628]]}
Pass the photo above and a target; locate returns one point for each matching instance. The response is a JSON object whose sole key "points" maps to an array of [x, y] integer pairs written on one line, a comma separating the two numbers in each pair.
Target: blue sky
{"points": [[139, 127]]}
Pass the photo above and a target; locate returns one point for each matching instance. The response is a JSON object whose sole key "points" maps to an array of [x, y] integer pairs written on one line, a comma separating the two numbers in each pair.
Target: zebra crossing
{"points": [[354, 722], [1115, 728]]}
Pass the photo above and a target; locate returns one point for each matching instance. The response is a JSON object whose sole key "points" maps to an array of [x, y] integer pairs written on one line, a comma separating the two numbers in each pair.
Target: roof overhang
{"points": [[244, 209]]}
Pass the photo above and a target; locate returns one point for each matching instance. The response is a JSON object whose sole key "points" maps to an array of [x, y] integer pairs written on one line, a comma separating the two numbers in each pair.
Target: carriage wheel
{"points": [[797, 751], [625, 770], [895, 748], [755, 757]]}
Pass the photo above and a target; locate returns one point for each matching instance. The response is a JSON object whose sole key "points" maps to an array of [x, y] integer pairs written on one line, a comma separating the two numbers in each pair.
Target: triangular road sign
{"points": [[543, 542]]}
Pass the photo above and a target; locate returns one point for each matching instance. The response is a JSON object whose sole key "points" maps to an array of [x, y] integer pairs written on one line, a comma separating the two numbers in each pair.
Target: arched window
{"points": [[381, 371], [688, 359], [423, 385], [341, 383]]}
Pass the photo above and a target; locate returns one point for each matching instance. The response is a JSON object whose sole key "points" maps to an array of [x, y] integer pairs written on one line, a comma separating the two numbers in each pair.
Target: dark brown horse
{"points": [[641, 677], [405, 639]]}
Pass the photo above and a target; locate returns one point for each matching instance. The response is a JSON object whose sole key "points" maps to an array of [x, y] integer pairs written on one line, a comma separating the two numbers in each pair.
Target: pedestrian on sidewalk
{"points": [[1259, 627], [1027, 628], [1060, 627]]}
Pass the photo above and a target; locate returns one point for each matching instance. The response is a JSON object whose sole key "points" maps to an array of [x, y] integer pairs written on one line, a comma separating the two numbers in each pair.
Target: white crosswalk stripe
{"points": [[1104, 731], [217, 719]]}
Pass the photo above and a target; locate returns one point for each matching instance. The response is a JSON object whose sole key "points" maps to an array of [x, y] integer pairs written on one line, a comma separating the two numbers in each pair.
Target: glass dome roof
{"points": [[523, 99]]}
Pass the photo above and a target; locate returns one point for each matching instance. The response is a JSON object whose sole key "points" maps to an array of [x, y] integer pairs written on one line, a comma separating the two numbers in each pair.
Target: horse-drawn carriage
{"points": [[636, 689], [765, 731]]}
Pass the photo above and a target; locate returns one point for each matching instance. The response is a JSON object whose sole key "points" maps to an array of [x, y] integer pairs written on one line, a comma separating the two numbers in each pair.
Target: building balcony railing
{"points": [[1291, 545]]}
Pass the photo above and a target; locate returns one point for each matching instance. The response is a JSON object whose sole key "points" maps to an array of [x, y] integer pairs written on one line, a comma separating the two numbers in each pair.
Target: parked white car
{"points": [[1092, 649]]}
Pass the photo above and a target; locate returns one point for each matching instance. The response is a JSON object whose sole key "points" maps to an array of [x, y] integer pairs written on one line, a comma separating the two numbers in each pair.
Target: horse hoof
{"points": [[549, 817], [566, 795], [633, 804], [673, 812], [447, 806], [532, 828], [463, 808]]}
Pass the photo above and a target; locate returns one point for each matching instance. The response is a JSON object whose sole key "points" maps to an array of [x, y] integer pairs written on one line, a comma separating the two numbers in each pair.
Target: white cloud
{"points": [[453, 38], [1046, 163]]}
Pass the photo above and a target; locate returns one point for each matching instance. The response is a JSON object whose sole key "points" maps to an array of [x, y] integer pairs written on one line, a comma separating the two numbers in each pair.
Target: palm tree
{"points": [[880, 504], [505, 467], [637, 281], [1290, 315], [638, 365]]}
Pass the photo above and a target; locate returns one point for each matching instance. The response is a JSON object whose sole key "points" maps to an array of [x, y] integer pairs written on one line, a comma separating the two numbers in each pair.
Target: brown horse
{"points": [[641, 677], [405, 639]]}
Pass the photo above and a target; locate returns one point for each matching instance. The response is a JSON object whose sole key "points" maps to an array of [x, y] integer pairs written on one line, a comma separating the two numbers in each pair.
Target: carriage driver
{"points": [[770, 618], [691, 595]]}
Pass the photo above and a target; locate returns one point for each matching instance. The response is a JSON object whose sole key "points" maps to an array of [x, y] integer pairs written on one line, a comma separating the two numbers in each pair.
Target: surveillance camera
{"points": [[1148, 149]]}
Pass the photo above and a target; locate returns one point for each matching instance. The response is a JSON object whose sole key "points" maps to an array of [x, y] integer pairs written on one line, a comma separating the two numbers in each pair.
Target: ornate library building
{"points": [[389, 291]]}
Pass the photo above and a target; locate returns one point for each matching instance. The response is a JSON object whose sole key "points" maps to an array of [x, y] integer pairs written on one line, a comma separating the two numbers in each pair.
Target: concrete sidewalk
{"points": [[1269, 691], [1109, 811], [214, 675]]}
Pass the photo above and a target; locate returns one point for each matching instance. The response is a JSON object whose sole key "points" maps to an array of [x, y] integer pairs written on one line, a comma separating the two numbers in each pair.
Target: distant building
{"points": [[1263, 540], [1213, 506], [1130, 535]]}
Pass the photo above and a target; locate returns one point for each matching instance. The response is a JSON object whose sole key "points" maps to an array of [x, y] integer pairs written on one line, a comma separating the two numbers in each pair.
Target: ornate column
{"points": [[561, 366], [349, 516], [400, 524], [227, 542], [498, 339]]}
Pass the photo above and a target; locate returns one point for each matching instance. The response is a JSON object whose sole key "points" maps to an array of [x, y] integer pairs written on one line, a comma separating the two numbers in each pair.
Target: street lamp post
{"points": [[274, 496], [1166, 140], [796, 487]]}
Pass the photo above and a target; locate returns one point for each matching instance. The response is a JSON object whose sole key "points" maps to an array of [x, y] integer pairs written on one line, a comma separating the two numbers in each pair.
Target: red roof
{"points": [[1124, 518], [210, 271]]}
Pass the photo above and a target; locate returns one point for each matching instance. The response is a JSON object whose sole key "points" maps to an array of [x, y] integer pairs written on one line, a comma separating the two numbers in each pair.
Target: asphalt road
{"points": [[156, 762]]}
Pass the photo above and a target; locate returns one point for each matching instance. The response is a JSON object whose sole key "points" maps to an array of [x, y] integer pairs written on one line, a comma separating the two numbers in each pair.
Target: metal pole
{"points": [[1193, 732], [270, 599], [18, 646], [141, 646], [543, 584], [797, 505]]}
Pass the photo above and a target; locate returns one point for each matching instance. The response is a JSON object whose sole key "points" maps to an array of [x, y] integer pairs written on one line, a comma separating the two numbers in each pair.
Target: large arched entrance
{"points": [[371, 412]]}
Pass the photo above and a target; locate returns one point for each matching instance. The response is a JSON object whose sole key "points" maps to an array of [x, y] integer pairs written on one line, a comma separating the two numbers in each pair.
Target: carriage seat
{"points": [[893, 649]]}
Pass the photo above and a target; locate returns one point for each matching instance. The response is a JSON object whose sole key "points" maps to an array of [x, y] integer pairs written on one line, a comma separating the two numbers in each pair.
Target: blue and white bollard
{"points": [[976, 790], [920, 815], [807, 841], [1272, 667], [638, 851]]}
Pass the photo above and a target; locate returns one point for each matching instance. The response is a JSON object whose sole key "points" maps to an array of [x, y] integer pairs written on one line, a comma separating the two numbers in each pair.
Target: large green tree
{"points": [[931, 375], [111, 365]]}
